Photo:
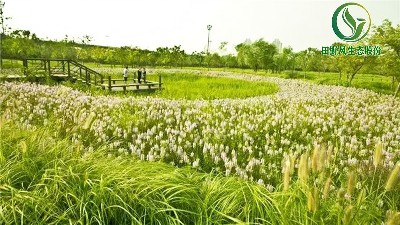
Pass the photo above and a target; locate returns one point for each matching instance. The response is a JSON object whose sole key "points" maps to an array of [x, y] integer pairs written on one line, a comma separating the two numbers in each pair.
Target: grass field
{"points": [[190, 86], [309, 154], [193, 86], [201, 151], [374, 82]]}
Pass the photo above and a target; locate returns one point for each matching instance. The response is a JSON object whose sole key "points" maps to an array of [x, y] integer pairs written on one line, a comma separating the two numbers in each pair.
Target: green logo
{"points": [[359, 27]]}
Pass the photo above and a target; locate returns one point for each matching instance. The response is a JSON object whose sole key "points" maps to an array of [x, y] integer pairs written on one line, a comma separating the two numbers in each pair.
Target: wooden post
{"points": [[25, 63], [69, 69], [80, 73], [109, 83], [124, 87], [48, 63], [87, 78], [159, 81]]}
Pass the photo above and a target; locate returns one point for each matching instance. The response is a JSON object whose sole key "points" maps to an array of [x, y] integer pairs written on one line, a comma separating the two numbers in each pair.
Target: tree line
{"points": [[256, 55]]}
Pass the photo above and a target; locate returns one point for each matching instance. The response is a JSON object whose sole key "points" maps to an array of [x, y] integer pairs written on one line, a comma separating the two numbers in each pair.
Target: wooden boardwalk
{"points": [[133, 89], [63, 69], [131, 85]]}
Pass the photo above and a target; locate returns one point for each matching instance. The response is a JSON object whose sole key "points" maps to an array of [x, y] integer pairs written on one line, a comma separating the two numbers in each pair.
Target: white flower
{"points": [[380, 203], [270, 188]]}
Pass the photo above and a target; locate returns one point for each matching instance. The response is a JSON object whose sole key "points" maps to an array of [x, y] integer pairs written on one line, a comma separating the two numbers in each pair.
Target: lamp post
{"points": [[107, 40], [208, 40]]}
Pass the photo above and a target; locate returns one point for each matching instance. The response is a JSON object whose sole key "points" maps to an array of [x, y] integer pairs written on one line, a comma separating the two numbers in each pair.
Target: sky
{"points": [[149, 24]]}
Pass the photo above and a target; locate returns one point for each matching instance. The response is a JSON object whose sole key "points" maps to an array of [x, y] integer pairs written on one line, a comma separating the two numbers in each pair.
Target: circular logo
{"points": [[351, 22]]}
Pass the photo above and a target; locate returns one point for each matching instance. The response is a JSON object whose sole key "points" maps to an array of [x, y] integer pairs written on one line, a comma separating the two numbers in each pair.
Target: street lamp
{"points": [[107, 40], [208, 40]]}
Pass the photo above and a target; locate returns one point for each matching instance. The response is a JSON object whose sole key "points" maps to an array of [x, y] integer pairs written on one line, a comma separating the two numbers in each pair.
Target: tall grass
{"points": [[48, 180], [44, 180]]}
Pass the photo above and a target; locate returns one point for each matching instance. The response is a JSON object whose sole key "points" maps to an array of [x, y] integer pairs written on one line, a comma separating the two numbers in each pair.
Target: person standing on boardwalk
{"points": [[139, 75], [125, 74], [144, 74]]}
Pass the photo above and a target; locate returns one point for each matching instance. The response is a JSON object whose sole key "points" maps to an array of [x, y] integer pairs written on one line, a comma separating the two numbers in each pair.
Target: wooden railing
{"points": [[70, 69], [63, 67]]}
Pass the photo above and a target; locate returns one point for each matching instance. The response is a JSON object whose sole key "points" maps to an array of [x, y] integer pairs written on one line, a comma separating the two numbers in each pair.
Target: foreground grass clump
{"points": [[44, 180], [47, 180]]}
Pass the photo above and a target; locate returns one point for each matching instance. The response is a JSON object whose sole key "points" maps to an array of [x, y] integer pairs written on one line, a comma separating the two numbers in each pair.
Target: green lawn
{"points": [[377, 83], [188, 85], [374, 82], [192, 86]]}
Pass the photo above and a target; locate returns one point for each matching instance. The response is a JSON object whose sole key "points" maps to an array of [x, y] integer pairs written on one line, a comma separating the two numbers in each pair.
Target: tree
{"points": [[122, 55], [86, 39], [316, 60], [243, 54], [46, 51], [222, 49], [264, 53], [213, 60], [164, 56], [304, 60], [20, 44], [134, 56], [388, 65], [284, 60], [110, 57], [349, 65], [84, 52], [177, 55], [352, 65], [197, 58], [3, 30], [389, 37], [151, 58], [229, 61], [256, 55]]}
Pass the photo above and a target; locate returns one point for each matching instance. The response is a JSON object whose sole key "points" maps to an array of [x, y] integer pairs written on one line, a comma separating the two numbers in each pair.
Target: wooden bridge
{"points": [[65, 69]]}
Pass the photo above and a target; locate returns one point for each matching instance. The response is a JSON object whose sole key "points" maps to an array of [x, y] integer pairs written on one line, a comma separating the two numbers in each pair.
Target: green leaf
{"points": [[349, 20]]}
